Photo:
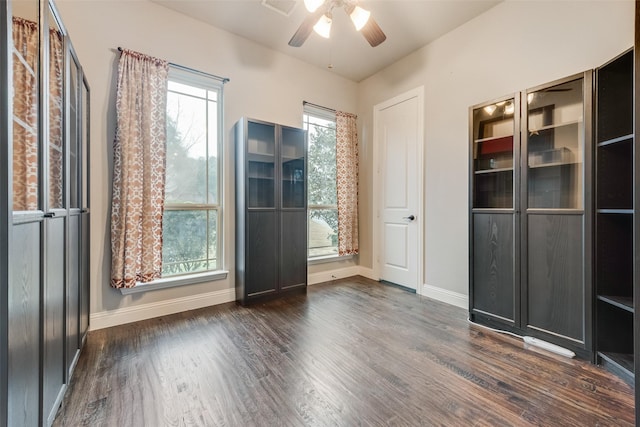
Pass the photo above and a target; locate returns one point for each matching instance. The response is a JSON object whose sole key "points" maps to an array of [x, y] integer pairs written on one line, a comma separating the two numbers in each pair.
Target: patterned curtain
{"points": [[138, 169], [347, 182], [25, 111], [56, 64]]}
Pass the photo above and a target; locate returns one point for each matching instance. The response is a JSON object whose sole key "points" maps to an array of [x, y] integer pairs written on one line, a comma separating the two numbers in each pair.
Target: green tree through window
{"points": [[322, 205]]}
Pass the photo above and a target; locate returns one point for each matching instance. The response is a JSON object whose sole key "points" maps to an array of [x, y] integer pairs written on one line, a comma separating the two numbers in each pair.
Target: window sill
{"points": [[327, 258], [172, 282]]}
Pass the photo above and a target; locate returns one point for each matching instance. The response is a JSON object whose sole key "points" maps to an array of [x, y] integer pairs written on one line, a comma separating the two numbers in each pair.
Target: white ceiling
{"points": [[408, 24]]}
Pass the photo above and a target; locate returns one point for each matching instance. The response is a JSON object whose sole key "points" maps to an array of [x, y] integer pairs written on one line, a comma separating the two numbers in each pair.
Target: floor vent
{"points": [[284, 7]]}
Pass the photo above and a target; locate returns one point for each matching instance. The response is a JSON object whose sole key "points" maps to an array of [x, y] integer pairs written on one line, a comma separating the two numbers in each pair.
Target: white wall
{"points": [[516, 45], [513, 46], [264, 85]]}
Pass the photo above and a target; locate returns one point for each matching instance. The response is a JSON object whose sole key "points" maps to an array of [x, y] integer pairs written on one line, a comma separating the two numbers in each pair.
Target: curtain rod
{"points": [[182, 67], [318, 106]]}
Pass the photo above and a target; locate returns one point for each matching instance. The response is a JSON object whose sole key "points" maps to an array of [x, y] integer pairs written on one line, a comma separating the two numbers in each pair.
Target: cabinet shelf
{"points": [[553, 164], [621, 363], [484, 171], [555, 126], [24, 125], [615, 211], [616, 140], [261, 157], [624, 303], [494, 138], [24, 62]]}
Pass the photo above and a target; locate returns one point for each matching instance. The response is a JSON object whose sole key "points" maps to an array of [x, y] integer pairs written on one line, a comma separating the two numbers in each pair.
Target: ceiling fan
{"points": [[320, 18]]}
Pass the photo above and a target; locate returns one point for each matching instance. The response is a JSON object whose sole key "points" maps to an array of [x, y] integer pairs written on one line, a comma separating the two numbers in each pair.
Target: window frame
{"points": [[185, 76], [330, 115], [202, 81]]}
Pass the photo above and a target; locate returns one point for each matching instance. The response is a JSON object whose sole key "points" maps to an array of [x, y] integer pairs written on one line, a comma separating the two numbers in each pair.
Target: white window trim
{"points": [[322, 259], [175, 281], [191, 77]]}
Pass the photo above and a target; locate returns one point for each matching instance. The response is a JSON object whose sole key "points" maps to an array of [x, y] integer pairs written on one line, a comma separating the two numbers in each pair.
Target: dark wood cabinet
{"points": [[271, 212], [530, 222], [44, 257], [494, 224], [615, 216]]}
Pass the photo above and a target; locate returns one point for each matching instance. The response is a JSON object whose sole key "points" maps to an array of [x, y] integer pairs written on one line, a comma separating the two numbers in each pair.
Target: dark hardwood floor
{"points": [[354, 352]]}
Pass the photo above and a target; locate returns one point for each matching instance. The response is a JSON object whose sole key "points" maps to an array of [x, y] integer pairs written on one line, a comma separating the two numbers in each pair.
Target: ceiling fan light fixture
{"points": [[359, 17], [323, 26], [313, 5]]}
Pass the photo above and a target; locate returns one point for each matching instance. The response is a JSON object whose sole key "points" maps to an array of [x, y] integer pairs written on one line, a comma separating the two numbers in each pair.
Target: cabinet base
{"points": [[283, 293], [505, 325]]}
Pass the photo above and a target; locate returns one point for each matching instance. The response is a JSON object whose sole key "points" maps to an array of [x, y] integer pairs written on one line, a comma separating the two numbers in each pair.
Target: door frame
{"points": [[417, 93]]}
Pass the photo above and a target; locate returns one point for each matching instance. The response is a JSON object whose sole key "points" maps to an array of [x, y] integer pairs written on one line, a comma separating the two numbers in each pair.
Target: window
{"points": [[322, 204], [192, 221]]}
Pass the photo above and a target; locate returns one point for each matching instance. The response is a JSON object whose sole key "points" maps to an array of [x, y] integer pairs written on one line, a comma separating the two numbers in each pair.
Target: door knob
{"points": [[410, 217]]}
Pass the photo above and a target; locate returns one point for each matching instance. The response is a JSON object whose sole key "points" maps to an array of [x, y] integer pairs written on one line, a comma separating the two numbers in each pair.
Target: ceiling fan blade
{"points": [[373, 33], [304, 30]]}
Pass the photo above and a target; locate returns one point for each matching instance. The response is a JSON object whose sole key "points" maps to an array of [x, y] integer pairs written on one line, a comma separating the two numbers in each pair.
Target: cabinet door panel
{"points": [[26, 172], [24, 332], [555, 274], [555, 138], [493, 264], [261, 165], [54, 320], [84, 277], [73, 291], [293, 252], [261, 252], [292, 168]]}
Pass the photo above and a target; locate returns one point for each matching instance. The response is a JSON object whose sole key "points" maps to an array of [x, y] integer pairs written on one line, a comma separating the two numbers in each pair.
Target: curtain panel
{"points": [[347, 182], [138, 169], [25, 112]]}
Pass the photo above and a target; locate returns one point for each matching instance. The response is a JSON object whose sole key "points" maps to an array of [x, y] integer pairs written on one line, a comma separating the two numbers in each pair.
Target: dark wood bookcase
{"points": [[615, 216], [530, 227], [271, 210], [44, 225]]}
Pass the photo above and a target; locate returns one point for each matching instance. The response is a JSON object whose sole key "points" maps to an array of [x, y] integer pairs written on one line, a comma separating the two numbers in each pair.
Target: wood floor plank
{"points": [[353, 352]]}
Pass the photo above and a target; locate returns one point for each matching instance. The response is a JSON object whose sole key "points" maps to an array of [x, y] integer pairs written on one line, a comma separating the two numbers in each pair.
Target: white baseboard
{"points": [[121, 316], [446, 296], [329, 275], [367, 272]]}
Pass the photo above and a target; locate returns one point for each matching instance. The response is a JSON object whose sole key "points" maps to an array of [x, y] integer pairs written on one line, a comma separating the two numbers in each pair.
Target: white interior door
{"points": [[398, 127]]}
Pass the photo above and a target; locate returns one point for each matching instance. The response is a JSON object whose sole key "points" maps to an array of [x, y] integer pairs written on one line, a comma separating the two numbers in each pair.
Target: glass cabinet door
{"points": [[26, 66], [84, 145], [74, 134], [555, 146], [261, 162], [493, 155], [56, 115], [293, 168]]}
